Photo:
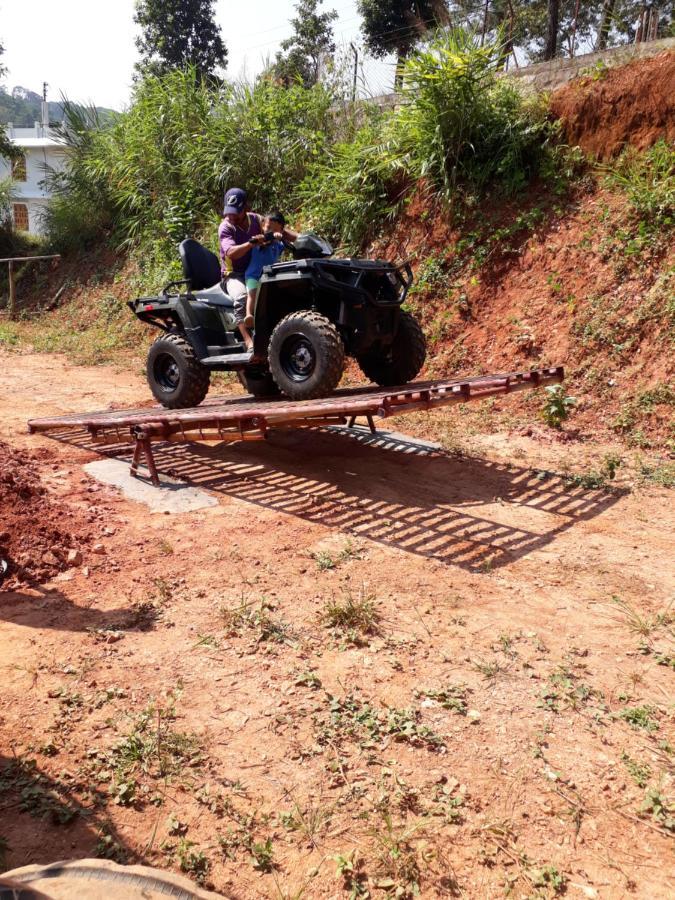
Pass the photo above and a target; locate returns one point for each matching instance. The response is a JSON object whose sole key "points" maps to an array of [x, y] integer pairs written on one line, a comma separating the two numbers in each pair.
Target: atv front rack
{"points": [[225, 420]]}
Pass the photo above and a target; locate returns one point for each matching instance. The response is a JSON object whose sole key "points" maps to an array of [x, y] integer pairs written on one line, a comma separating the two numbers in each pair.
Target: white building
{"points": [[38, 148]]}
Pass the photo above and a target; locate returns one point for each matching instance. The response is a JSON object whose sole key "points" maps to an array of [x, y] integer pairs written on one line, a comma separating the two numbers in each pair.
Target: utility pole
{"points": [[356, 69]]}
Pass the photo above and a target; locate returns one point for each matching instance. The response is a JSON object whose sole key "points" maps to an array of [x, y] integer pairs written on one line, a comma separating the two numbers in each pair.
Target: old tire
{"points": [[404, 358], [259, 384], [306, 355], [175, 376]]}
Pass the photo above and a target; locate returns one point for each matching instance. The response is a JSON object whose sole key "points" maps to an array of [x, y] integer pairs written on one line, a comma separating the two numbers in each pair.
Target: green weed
{"points": [[640, 717], [452, 696], [193, 862], [351, 719], [39, 795], [557, 406], [660, 808], [639, 772], [249, 616]]}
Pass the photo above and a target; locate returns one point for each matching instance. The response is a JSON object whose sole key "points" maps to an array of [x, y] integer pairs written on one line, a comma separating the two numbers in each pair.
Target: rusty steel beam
{"points": [[228, 420]]}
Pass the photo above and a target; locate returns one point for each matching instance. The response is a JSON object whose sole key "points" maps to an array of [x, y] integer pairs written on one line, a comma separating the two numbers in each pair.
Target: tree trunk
{"points": [[605, 23], [401, 56], [552, 29]]}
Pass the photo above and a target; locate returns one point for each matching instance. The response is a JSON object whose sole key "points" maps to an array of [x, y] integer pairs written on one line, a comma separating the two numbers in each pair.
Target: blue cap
{"points": [[235, 201]]}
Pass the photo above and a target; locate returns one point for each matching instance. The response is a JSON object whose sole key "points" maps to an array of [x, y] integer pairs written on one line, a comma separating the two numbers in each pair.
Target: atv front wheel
{"points": [[175, 376], [403, 359], [260, 384], [306, 355]]}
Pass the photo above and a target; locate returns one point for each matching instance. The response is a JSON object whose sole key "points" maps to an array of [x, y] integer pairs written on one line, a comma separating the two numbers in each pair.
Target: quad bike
{"points": [[311, 312]]}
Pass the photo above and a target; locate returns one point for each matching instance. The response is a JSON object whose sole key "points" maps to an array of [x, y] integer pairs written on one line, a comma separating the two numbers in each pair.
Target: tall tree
{"points": [[552, 19], [311, 41], [177, 33], [395, 26]]}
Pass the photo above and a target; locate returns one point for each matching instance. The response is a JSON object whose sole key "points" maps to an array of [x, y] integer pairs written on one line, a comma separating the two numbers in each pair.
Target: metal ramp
{"points": [[226, 419]]}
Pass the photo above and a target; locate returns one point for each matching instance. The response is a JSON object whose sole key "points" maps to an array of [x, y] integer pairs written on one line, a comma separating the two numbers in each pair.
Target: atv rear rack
{"points": [[226, 420]]}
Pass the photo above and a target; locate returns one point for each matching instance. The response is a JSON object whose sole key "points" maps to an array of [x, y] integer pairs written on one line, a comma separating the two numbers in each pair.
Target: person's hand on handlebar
{"points": [[258, 239]]}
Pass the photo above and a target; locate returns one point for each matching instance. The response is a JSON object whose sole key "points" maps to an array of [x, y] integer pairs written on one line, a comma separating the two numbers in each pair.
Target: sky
{"points": [[85, 48]]}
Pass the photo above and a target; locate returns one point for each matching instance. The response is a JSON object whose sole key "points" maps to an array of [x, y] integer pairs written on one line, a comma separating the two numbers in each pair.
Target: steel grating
{"points": [[248, 418]]}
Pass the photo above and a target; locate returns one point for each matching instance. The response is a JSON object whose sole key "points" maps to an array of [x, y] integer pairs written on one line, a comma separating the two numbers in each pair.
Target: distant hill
{"points": [[22, 107]]}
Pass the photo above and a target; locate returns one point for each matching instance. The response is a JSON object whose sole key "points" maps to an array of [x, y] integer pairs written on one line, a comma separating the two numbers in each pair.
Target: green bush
{"points": [[461, 126], [158, 171], [649, 181], [348, 195]]}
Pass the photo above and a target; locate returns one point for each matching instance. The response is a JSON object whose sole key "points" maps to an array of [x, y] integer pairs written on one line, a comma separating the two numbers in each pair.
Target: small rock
{"points": [[474, 716], [74, 558], [49, 558], [98, 548]]}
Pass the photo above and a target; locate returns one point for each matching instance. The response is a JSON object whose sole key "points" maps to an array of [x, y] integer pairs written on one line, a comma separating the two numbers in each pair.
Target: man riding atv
{"points": [[311, 312], [238, 233]]}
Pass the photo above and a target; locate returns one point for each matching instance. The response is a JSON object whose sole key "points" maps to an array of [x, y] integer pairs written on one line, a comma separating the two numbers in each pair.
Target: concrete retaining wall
{"points": [[547, 76]]}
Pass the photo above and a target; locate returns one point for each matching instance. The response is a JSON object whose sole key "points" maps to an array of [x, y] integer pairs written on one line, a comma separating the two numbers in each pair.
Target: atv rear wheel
{"points": [[306, 355], [175, 376], [403, 359], [260, 384]]}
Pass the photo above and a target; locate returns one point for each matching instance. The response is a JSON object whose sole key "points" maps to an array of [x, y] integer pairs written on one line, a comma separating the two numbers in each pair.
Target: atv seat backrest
{"points": [[200, 266]]}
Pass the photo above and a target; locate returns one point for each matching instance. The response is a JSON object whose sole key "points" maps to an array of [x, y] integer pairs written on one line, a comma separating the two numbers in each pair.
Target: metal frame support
{"points": [[143, 445], [369, 419]]}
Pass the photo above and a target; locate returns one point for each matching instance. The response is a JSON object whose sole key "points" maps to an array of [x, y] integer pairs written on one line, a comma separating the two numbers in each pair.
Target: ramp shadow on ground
{"points": [[459, 510]]}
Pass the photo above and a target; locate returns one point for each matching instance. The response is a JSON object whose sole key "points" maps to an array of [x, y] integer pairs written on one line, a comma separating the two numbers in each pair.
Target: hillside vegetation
{"points": [[526, 249]]}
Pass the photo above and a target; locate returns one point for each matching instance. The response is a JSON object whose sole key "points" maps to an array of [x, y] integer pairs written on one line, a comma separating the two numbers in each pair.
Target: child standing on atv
{"points": [[275, 231]]}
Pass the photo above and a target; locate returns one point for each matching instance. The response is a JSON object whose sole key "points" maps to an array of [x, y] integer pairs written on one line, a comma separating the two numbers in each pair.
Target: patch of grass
{"points": [[648, 179], [660, 808], [550, 879], [643, 623], [452, 696], [488, 668], [350, 719], [640, 717], [151, 749], [40, 795], [639, 772], [8, 336], [597, 480], [398, 869], [193, 862], [565, 691], [309, 819], [256, 618], [353, 616], [661, 474], [326, 561]]}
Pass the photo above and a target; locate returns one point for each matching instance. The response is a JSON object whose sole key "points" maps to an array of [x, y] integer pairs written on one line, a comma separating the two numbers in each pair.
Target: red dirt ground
{"points": [[632, 104], [492, 576], [37, 535]]}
